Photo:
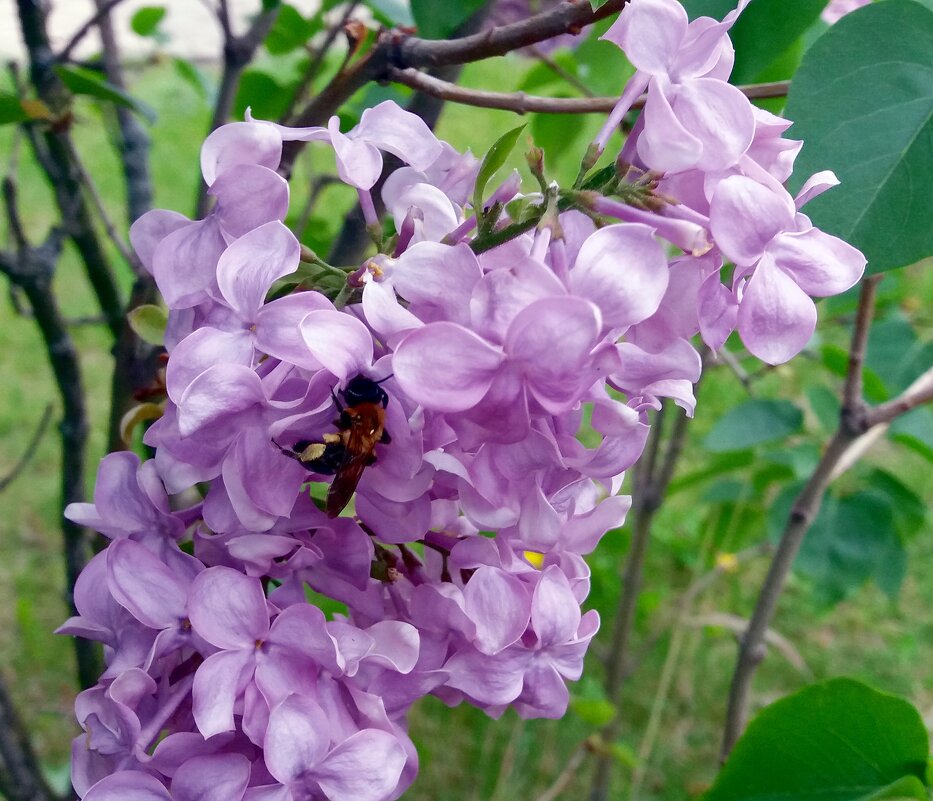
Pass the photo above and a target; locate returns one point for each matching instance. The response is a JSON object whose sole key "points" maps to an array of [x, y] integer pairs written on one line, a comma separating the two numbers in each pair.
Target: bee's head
{"points": [[364, 390]]}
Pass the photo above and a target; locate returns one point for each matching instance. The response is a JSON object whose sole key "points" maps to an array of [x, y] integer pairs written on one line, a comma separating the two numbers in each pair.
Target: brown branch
{"points": [[29, 451], [134, 147], [21, 776], [521, 103], [396, 49], [103, 9], [317, 61], [31, 269], [135, 361], [853, 425], [917, 394], [55, 157], [238, 51]]}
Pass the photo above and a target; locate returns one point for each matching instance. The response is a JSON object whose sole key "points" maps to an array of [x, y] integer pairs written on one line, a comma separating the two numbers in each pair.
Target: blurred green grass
{"points": [[465, 756]]}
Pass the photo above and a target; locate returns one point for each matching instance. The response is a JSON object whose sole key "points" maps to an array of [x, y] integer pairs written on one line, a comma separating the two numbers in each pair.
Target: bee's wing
{"points": [[344, 485], [359, 453]]}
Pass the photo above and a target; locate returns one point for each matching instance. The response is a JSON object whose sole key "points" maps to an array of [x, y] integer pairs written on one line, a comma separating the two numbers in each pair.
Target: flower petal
{"points": [[555, 614], [745, 216], [623, 270], [240, 143], [228, 609], [220, 680], [364, 767], [393, 129], [144, 586], [252, 263], [338, 341], [218, 777], [650, 32], [776, 318], [499, 606], [218, 392], [720, 116], [445, 366], [128, 785], [296, 738], [820, 263]]}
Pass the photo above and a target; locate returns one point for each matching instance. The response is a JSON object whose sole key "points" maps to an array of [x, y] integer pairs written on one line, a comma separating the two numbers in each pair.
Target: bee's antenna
{"points": [[384, 379]]}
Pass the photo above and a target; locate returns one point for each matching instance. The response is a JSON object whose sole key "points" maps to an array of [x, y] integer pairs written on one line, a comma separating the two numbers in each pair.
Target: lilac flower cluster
{"points": [[446, 381]]}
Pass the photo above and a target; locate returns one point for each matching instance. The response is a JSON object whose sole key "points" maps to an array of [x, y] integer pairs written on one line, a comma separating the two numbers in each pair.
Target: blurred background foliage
{"points": [[858, 603]]}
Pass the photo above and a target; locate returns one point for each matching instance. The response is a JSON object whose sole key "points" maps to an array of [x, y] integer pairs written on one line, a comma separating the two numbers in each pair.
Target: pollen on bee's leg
{"points": [[314, 451]]}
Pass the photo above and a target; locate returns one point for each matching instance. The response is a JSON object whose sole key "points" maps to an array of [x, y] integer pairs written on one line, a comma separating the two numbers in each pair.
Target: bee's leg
{"points": [[337, 402], [385, 439], [285, 451]]}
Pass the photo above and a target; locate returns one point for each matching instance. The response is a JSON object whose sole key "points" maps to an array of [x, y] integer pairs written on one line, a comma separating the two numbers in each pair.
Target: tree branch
{"points": [[103, 10], [857, 424], [29, 451], [32, 269], [58, 166], [521, 103], [398, 50], [237, 53], [21, 777]]}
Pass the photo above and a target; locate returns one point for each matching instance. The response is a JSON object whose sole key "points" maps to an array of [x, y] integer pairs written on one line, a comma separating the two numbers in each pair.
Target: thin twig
{"points": [[317, 61], [30, 449], [559, 71], [567, 775], [521, 103], [917, 394], [87, 183], [103, 10]]}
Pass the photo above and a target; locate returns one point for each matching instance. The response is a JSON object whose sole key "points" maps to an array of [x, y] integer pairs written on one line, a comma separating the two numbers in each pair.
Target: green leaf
{"points": [[194, 76], [149, 322], [765, 31], [392, 12], [596, 712], [868, 116], [261, 92], [555, 133], [915, 430], [436, 19], [753, 422], [290, 30], [11, 110], [145, 22], [838, 740], [81, 81], [909, 509], [596, 4], [492, 161], [851, 540]]}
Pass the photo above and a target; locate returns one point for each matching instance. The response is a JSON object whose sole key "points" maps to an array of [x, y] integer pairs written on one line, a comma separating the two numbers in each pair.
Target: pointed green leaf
{"points": [[145, 22], [492, 161], [149, 322], [862, 101], [436, 19], [11, 110], [81, 81]]}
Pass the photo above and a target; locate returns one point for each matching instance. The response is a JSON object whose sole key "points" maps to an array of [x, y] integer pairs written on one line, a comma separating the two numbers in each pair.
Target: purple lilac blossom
{"points": [[460, 563]]}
